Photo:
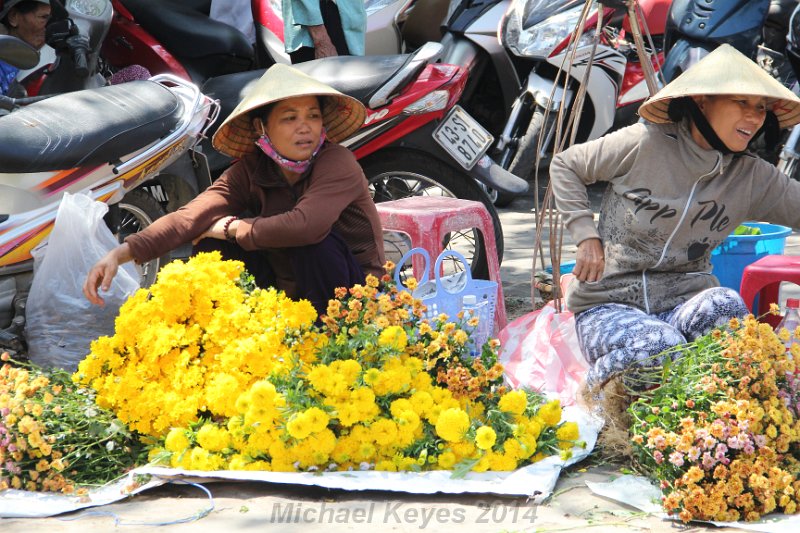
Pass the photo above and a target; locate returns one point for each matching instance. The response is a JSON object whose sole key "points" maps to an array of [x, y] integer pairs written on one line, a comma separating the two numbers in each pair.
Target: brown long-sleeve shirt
{"points": [[333, 194]]}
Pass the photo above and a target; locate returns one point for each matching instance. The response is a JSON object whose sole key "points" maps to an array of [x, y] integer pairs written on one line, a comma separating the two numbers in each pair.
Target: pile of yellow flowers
{"points": [[229, 376], [192, 343], [721, 433], [52, 435]]}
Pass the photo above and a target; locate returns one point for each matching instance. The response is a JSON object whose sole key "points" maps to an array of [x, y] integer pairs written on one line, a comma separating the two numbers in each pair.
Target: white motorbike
{"points": [[106, 142]]}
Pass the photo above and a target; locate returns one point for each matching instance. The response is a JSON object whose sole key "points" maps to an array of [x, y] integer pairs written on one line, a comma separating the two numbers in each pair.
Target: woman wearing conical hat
{"points": [[295, 207], [678, 185]]}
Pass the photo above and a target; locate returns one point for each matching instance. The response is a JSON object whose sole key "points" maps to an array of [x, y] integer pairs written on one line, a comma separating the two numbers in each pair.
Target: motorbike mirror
{"points": [[18, 53]]}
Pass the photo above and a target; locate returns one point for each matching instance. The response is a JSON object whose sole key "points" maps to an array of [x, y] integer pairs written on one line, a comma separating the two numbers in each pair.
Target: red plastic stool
{"points": [[428, 219], [763, 279]]}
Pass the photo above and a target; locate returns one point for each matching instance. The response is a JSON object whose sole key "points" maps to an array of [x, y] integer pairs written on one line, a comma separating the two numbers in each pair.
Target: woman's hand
{"points": [[590, 261], [217, 229], [102, 273]]}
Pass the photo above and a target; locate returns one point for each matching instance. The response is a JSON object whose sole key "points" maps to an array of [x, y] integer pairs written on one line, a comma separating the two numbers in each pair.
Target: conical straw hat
{"points": [[725, 71], [341, 114]]}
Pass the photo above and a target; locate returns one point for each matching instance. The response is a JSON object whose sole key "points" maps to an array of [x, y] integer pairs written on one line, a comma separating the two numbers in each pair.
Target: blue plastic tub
{"points": [[566, 267], [737, 251]]}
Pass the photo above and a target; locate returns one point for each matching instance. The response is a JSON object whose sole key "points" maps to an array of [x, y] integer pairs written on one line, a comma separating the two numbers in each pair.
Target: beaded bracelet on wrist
{"points": [[228, 236]]}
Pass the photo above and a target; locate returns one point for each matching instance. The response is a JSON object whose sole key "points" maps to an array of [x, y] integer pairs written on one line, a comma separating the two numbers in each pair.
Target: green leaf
{"points": [[746, 230]]}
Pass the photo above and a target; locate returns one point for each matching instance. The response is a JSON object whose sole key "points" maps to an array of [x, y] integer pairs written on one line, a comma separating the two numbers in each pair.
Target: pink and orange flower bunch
{"points": [[720, 434], [53, 437]]}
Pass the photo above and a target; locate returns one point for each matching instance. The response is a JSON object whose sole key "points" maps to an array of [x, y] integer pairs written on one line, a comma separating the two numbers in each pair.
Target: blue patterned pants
{"points": [[614, 337]]}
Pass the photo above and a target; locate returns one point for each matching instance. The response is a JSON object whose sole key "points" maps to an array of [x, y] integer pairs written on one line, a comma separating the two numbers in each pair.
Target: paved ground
{"points": [[259, 506]]}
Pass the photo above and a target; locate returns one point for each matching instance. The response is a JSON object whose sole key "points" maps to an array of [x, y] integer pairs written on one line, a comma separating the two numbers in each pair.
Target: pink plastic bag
{"points": [[540, 351]]}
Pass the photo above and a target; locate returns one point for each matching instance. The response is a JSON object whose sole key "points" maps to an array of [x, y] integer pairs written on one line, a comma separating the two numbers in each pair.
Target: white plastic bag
{"points": [[61, 322]]}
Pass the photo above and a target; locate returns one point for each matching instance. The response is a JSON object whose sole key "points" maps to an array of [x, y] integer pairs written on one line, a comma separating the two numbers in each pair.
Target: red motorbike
{"points": [[177, 37], [633, 90], [415, 140]]}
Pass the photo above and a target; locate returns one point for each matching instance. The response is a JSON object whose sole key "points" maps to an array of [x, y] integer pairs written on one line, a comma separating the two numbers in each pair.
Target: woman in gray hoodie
{"points": [[678, 185]]}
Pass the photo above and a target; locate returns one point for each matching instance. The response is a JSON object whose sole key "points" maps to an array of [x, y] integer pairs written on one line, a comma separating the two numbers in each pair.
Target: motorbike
{"points": [[415, 139], [175, 37], [179, 37], [103, 141], [694, 28], [789, 158], [509, 91], [536, 34], [77, 31]]}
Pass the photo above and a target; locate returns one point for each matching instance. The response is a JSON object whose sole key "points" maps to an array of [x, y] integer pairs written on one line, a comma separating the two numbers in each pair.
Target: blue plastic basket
{"points": [[737, 251], [445, 294]]}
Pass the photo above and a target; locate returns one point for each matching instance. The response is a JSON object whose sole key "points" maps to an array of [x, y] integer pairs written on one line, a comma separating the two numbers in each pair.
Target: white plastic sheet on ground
{"points": [[536, 480], [24, 504], [642, 494]]}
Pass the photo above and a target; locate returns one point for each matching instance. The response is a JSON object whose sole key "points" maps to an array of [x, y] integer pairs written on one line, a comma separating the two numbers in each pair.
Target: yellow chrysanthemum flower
{"points": [[568, 432], [514, 402], [485, 437], [317, 419], [550, 413], [393, 337], [213, 438], [452, 424], [176, 440], [446, 460], [299, 426]]}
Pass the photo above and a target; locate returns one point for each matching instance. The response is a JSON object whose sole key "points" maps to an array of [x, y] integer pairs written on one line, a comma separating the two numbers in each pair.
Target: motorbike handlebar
{"points": [[62, 34], [10, 104], [79, 45]]}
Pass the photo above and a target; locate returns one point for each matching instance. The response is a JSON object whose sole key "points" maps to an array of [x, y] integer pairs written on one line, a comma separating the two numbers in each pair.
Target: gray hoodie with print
{"points": [[668, 204]]}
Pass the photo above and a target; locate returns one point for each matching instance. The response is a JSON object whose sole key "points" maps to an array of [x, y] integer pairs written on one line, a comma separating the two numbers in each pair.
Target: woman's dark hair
{"points": [[678, 108], [264, 111]]}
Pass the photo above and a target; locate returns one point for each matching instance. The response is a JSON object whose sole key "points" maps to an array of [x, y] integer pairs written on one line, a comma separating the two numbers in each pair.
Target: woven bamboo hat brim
{"points": [[342, 115], [725, 71]]}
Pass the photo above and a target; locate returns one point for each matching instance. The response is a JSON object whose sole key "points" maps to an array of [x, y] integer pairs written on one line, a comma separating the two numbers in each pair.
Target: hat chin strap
{"points": [[705, 128]]}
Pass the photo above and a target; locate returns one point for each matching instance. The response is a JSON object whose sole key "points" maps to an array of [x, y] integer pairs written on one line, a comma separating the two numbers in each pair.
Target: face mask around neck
{"points": [[291, 165]]}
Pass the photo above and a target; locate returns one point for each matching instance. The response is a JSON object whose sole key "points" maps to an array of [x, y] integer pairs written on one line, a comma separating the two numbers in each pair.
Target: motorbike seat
{"points": [[186, 32], [89, 127], [354, 76]]}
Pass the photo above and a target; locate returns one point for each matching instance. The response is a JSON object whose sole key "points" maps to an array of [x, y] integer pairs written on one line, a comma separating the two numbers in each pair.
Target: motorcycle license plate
{"points": [[462, 137]]}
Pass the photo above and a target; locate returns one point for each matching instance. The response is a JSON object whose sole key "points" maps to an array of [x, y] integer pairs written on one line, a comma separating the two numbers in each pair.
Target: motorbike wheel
{"points": [[502, 199], [524, 161], [401, 174], [498, 198], [138, 209]]}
